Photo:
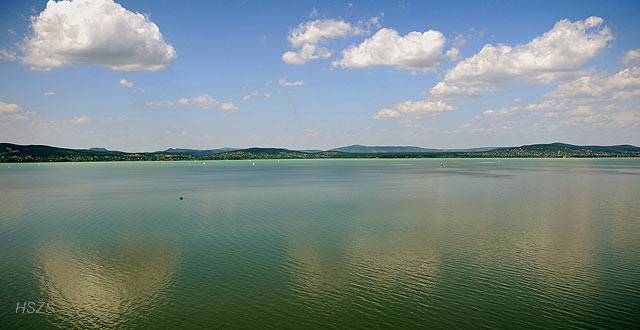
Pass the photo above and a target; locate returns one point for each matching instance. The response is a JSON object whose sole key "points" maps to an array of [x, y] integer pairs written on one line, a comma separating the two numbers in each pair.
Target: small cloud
{"points": [[12, 111], [414, 108], [386, 113], [284, 82], [8, 55], [126, 83], [79, 120], [11, 32], [268, 82], [350, 5], [459, 40], [228, 107], [632, 57], [119, 118], [249, 96], [204, 101], [9, 107], [314, 12], [49, 93]]}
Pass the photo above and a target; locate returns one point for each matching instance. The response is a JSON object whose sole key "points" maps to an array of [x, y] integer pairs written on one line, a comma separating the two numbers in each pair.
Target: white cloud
{"points": [[160, 103], [79, 120], [204, 101], [320, 30], [314, 12], [228, 107], [8, 55], [557, 54], [126, 83], [119, 118], [307, 35], [386, 113], [9, 107], [249, 96], [414, 107], [49, 93], [601, 87], [12, 111], [459, 40], [268, 82], [97, 32], [414, 51], [604, 117], [308, 52], [632, 57], [284, 82], [547, 105]]}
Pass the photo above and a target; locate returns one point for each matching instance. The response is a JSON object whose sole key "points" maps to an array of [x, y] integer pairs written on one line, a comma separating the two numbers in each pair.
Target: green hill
{"points": [[356, 148], [41, 153]]}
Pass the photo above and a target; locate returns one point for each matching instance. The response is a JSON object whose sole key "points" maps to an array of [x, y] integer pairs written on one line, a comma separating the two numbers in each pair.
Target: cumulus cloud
{"points": [[600, 87], [632, 57], [284, 82], [413, 107], [307, 35], [204, 101], [547, 105], [308, 52], [49, 93], [99, 32], [126, 83], [557, 54], [604, 117], [414, 51]]}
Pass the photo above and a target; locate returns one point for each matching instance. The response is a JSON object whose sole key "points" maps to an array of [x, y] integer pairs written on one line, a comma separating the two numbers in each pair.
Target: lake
{"points": [[326, 244]]}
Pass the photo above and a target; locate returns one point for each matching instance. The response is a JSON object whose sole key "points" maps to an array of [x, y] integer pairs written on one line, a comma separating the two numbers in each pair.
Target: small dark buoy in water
{"points": [[181, 198]]}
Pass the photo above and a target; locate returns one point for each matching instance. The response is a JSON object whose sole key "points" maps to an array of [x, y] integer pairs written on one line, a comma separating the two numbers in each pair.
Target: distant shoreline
{"points": [[13, 153], [351, 158]]}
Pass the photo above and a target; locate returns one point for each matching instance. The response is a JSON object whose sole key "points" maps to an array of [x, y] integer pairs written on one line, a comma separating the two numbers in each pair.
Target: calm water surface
{"points": [[361, 244]]}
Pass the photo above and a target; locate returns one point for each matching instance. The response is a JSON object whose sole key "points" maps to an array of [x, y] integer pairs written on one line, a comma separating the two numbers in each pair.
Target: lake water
{"points": [[327, 244]]}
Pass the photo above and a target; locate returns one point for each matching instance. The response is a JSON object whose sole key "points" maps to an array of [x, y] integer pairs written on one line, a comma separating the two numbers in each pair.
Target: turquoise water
{"points": [[291, 244]]}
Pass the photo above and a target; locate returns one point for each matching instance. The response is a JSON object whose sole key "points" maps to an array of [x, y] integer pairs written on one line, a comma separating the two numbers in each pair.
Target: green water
{"points": [[327, 244]]}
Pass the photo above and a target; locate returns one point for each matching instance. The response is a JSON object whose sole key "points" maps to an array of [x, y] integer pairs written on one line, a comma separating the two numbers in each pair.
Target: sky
{"points": [[151, 75]]}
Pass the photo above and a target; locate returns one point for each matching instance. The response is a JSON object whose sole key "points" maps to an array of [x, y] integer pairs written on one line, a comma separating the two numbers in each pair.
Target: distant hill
{"points": [[357, 148], [98, 149], [557, 149], [198, 153], [41, 153], [312, 151]]}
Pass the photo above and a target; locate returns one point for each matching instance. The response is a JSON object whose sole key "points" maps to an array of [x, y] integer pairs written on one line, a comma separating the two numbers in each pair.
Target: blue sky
{"points": [[311, 74]]}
